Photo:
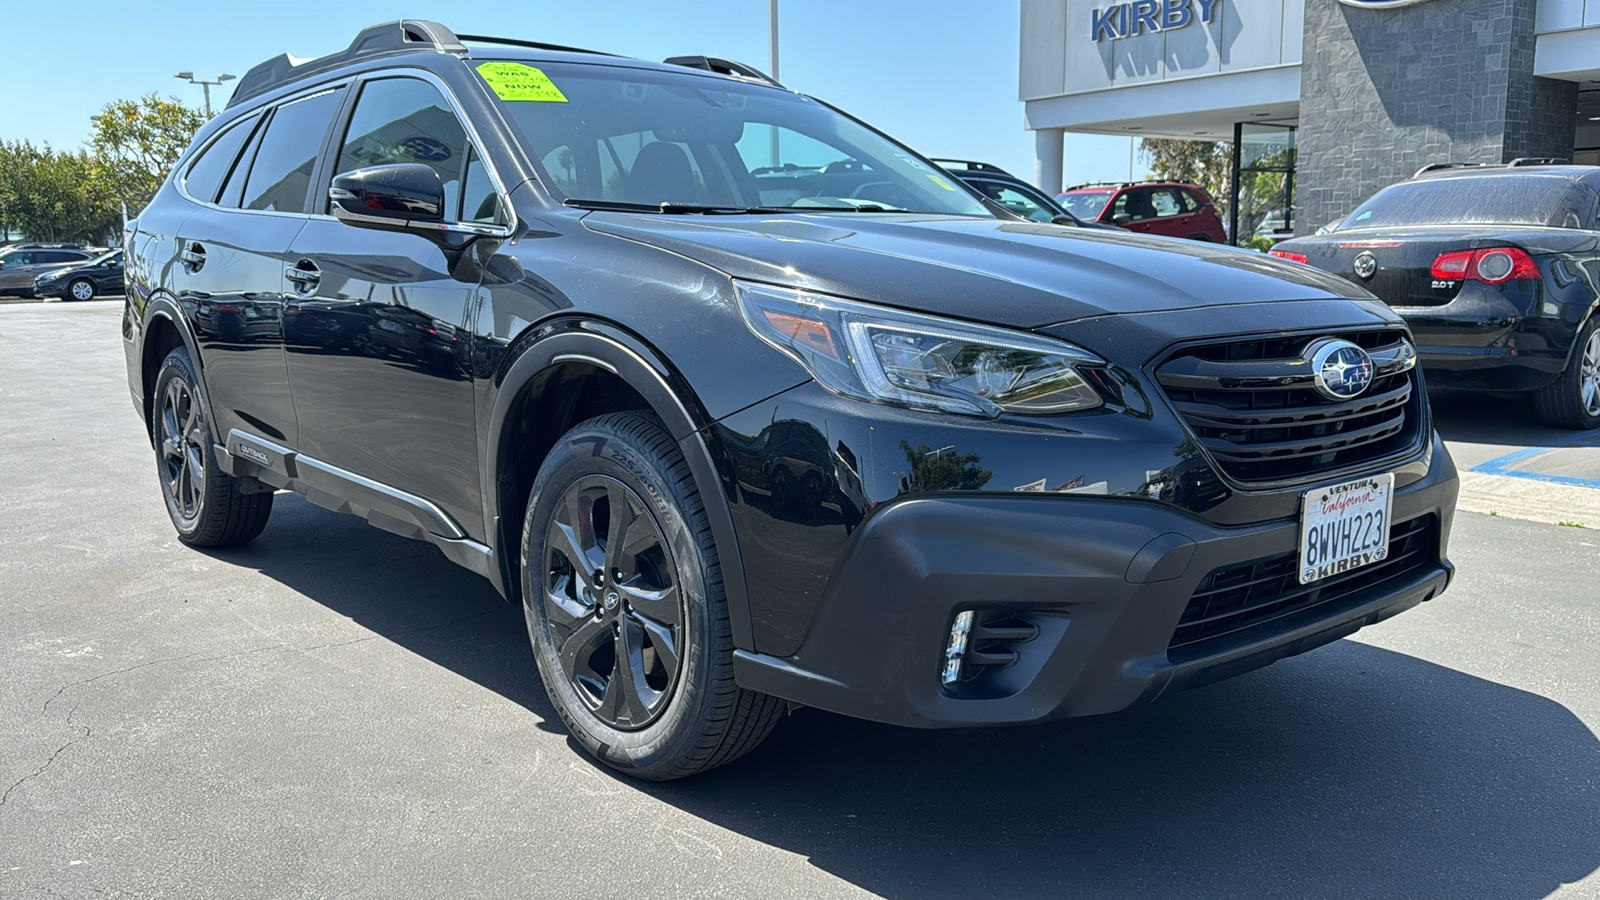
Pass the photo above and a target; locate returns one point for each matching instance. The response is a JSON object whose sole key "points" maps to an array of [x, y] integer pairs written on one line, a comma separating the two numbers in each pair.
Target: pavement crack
{"points": [[6, 797]]}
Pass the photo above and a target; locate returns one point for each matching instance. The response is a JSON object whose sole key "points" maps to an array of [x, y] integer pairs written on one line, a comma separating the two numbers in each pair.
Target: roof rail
{"points": [[1436, 167], [971, 165], [1538, 161], [400, 36], [722, 67], [1090, 184], [534, 45]]}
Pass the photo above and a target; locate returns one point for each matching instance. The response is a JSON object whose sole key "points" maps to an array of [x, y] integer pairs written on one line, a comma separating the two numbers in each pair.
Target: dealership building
{"points": [[1325, 101]]}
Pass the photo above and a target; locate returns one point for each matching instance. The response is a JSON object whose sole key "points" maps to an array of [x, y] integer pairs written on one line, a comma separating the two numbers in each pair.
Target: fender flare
{"points": [[162, 306], [670, 397]]}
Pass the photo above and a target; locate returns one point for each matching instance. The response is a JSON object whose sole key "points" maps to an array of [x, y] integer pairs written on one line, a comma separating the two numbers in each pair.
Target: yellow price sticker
{"points": [[936, 179], [515, 81]]}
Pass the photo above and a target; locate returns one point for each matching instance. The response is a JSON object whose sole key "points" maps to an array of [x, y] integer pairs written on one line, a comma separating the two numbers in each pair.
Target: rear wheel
{"points": [[623, 594], [81, 289], [1573, 400], [208, 507]]}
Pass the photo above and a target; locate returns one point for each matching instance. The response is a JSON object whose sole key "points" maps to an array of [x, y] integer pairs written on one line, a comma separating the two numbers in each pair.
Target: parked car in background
{"points": [[1013, 193], [20, 265], [1494, 268], [101, 275], [740, 433], [1150, 207]]}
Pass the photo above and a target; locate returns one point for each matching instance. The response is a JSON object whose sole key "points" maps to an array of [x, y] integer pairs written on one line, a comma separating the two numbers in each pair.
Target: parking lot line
{"points": [[1505, 464]]}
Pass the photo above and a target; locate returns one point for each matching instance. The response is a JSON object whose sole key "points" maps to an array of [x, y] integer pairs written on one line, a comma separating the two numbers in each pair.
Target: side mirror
{"points": [[1121, 220], [388, 197], [1064, 220]]}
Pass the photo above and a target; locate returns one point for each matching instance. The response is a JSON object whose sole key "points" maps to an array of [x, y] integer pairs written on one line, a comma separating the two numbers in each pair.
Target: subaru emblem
{"points": [[1366, 265], [1342, 370]]}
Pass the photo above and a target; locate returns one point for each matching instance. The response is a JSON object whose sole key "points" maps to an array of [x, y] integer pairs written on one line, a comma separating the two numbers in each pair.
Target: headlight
{"points": [[872, 353], [48, 276]]}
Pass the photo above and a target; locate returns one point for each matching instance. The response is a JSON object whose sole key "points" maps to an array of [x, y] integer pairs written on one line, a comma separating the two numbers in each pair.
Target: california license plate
{"points": [[1344, 526]]}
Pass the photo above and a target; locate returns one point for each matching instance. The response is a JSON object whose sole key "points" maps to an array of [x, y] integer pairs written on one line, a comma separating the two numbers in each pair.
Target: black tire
{"points": [[700, 718], [1573, 400], [208, 507], [73, 290]]}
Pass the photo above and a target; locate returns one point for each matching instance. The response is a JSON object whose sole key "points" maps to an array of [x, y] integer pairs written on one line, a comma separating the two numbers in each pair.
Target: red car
{"points": [[1153, 207]]}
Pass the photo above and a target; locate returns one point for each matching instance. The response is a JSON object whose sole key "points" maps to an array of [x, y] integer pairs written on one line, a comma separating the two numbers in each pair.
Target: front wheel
{"points": [[624, 600], [81, 289], [208, 507], [1573, 400]]}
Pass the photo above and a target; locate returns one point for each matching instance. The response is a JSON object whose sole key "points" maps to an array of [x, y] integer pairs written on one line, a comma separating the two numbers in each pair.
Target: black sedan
{"points": [[1497, 271], [1015, 195], [101, 275]]}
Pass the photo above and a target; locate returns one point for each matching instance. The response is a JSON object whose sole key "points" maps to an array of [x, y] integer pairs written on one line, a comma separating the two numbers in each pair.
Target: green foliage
{"points": [[943, 470], [136, 143], [77, 195], [1262, 243], [53, 195], [1206, 163]]}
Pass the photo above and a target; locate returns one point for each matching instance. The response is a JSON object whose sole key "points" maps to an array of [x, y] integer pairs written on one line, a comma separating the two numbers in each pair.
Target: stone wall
{"points": [[1384, 92]]}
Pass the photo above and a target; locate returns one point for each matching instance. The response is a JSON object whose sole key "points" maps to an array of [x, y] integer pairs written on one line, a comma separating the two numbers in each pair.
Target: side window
{"points": [[1014, 200], [233, 189], [20, 258], [1165, 202], [478, 201], [404, 120], [1190, 202], [204, 178], [280, 174]]}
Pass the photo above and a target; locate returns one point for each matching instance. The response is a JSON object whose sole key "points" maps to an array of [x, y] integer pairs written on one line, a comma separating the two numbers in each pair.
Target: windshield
{"points": [[1085, 204], [1482, 200], [617, 135], [105, 259]]}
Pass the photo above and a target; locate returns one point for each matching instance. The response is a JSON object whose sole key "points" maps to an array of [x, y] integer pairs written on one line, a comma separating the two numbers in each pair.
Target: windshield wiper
{"points": [[681, 209], [701, 209]]}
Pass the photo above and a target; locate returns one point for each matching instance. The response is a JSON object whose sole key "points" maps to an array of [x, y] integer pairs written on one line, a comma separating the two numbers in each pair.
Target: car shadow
{"points": [[1352, 771], [1477, 418]]}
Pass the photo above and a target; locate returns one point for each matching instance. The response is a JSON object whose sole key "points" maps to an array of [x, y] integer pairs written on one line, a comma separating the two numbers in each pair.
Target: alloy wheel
{"points": [[82, 290], [183, 470], [1589, 375], [613, 601]]}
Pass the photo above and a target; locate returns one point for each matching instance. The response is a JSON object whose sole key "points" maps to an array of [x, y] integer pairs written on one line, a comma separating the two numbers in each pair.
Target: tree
{"points": [[943, 470], [136, 143], [52, 195]]}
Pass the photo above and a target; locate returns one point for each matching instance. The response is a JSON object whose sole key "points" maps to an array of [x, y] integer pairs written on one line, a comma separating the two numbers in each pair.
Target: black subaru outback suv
{"points": [[750, 406]]}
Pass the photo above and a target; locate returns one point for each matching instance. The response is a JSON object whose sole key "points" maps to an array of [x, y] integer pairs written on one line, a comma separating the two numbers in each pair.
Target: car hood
{"points": [[1018, 274]]}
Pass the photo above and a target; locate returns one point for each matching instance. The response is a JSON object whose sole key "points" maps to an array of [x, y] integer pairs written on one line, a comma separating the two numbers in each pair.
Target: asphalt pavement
{"points": [[334, 711]]}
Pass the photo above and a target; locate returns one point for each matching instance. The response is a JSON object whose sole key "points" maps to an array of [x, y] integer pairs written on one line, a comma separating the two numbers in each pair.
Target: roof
{"points": [[1560, 168], [406, 37]]}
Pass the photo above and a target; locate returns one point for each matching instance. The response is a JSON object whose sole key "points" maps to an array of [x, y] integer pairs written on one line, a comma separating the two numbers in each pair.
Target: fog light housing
{"points": [[956, 647]]}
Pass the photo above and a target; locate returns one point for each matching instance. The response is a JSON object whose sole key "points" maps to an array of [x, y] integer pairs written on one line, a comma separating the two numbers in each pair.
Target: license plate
{"points": [[1344, 526]]}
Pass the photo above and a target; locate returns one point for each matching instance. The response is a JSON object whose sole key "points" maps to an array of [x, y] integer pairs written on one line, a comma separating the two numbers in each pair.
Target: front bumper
{"points": [[56, 288], [1104, 580]]}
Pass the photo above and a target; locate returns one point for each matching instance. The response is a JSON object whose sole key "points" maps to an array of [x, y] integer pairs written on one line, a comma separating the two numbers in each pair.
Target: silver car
{"points": [[18, 267]]}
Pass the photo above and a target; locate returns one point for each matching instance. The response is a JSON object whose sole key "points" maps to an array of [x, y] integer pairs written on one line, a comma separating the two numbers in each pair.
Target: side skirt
{"points": [[328, 486]]}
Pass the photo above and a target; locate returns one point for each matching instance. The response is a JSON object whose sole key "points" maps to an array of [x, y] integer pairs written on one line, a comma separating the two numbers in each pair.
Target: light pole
{"points": [[204, 85]]}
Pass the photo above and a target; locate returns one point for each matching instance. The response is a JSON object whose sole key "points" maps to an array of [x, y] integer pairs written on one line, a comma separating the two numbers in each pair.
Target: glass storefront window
{"points": [[1263, 183]]}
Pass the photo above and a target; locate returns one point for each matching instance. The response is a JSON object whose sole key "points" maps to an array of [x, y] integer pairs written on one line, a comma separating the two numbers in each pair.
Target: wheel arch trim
{"points": [[163, 306], [612, 349]]}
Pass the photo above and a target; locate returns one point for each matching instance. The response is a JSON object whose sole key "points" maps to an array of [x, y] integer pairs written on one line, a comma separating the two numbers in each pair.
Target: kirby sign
{"points": [[1151, 16]]}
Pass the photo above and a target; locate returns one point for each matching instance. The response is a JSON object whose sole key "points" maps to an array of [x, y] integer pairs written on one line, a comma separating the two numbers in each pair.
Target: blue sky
{"points": [[939, 75]]}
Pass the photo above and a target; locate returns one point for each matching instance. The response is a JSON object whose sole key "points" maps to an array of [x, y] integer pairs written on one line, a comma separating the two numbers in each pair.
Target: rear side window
{"points": [[404, 120], [1165, 201], [1190, 203], [280, 174], [204, 178], [1531, 199]]}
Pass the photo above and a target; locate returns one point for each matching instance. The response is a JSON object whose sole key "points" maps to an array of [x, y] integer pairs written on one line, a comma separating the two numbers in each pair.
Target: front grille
{"points": [[1253, 407], [1251, 601]]}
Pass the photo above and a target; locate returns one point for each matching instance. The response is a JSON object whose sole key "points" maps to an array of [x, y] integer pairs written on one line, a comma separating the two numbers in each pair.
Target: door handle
{"points": [[193, 256], [304, 275]]}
